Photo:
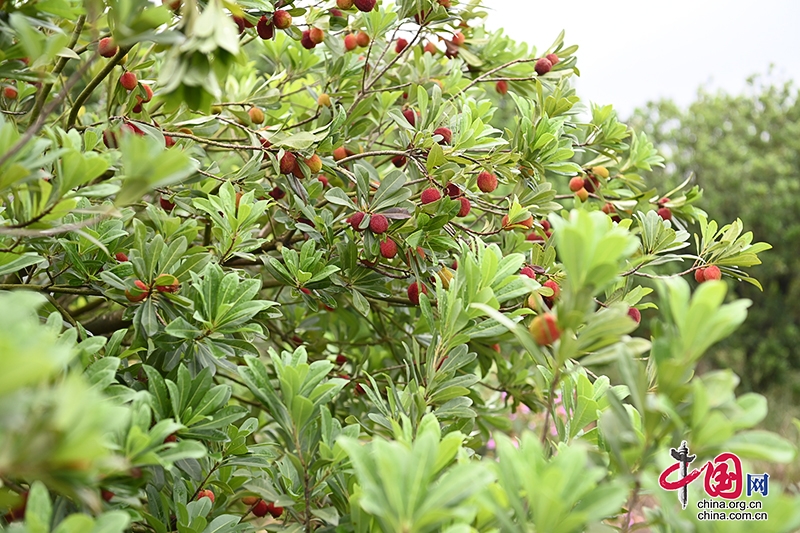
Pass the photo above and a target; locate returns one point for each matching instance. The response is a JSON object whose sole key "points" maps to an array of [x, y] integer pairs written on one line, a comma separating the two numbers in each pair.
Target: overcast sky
{"points": [[632, 51]]}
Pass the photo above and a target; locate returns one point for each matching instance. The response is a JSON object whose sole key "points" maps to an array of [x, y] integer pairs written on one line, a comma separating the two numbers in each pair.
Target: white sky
{"points": [[633, 51]]}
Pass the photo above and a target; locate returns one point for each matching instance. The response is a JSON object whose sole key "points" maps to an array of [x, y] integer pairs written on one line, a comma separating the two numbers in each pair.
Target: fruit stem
{"points": [[92, 85]]}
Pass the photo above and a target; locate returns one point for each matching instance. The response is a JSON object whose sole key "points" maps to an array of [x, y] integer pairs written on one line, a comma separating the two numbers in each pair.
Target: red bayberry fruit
{"points": [[487, 182], [410, 115], [277, 193], [355, 220], [169, 142], [265, 28], [400, 45], [378, 224], [206, 494], [430, 48], [316, 35], [365, 5], [288, 162], [665, 213], [282, 19], [544, 329], [162, 285], [314, 163], [341, 152], [553, 59], [350, 42], [534, 237], [576, 184], [543, 66], [260, 509], [106, 47], [458, 38], [465, 207], [138, 297], [274, 510], [362, 39], [712, 273], [446, 134], [305, 290], [129, 81], [527, 271], [388, 248], [591, 183], [109, 139], [323, 180], [239, 23], [545, 224], [414, 291], [552, 285], [502, 87], [430, 195], [306, 41], [663, 201], [635, 314], [166, 205], [452, 191], [121, 257], [608, 208]]}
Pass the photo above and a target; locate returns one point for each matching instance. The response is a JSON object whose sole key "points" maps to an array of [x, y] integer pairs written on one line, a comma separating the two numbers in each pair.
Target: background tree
{"points": [[744, 151], [269, 266]]}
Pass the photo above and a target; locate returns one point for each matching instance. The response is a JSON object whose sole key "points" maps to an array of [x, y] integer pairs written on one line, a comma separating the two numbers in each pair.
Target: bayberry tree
{"points": [[270, 265]]}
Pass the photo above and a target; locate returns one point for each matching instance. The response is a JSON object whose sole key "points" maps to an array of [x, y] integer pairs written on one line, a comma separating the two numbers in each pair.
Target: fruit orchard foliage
{"points": [[744, 151], [202, 331]]}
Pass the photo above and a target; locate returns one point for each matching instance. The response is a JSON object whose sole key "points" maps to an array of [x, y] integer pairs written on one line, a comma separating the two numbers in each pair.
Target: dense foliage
{"points": [[744, 150], [272, 268]]}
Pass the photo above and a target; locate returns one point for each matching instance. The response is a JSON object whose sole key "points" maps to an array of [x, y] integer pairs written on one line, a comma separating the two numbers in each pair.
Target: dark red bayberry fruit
{"points": [[365, 5], [288, 163], [543, 66], [399, 160], [430, 195], [414, 291], [502, 87], [260, 509], [121, 257], [410, 115], [306, 40], [166, 205], [400, 45], [465, 207], [265, 28], [378, 224], [355, 220], [446, 134], [452, 191], [277, 193], [388, 248]]}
